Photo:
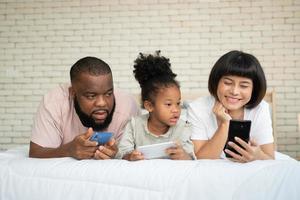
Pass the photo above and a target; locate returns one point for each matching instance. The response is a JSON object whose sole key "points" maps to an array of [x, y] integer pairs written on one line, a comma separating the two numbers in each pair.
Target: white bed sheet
{"points": [[66, 178]]}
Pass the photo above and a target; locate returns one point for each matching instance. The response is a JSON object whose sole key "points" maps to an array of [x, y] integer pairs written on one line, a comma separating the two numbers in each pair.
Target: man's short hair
{"points": [[91, 65]]}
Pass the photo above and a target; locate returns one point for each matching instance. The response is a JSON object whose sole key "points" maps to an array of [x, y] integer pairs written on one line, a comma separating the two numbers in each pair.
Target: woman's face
{"points": [[234, 92]]}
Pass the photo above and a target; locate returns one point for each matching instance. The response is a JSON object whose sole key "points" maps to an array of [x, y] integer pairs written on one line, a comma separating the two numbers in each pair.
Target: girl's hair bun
{"points": [[151, 66]]}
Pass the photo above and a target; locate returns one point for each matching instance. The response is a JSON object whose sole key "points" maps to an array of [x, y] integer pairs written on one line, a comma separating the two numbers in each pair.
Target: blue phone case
{"points": [[101, 137]]}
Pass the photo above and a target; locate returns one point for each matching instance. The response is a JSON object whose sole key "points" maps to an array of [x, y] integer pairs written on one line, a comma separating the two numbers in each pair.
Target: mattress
{"points": [[24, 178]]}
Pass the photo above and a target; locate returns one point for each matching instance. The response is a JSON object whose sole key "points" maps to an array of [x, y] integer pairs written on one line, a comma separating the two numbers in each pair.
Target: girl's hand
{"points": [[251, 151], [221, 113], [135, 155], [178, 153]]}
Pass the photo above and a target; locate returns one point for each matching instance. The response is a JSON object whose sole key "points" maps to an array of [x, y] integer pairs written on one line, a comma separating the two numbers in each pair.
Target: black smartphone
{"points": [[237, 128]]}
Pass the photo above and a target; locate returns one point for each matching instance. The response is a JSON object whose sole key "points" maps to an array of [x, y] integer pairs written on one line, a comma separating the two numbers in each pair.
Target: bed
{"points": [[24, 178]]}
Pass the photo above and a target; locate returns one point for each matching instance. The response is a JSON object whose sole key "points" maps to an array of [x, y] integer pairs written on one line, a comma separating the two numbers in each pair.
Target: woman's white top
{"points": [[204, 122]]}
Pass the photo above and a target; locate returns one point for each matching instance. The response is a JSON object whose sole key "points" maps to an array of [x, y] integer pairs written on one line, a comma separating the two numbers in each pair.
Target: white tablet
{"points": [[155, 151]]}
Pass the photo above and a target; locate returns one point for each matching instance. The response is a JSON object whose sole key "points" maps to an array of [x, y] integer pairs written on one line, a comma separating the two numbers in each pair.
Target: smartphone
{"points": [[237, 128], [101, 137]]}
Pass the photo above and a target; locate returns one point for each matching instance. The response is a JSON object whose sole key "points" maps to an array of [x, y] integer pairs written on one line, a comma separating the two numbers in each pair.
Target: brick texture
{"points": [[40, 40]]}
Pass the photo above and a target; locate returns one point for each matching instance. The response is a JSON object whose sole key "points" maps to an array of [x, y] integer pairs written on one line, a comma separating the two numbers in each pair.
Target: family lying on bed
{"points": [[68, 115]]}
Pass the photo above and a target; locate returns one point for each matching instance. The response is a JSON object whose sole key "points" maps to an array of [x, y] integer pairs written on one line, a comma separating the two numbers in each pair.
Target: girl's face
{"points": [[166, 108], [234, 92]]}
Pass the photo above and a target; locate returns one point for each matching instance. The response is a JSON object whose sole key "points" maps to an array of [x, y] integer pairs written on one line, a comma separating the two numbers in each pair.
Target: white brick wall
{"points": [[40, 40]]}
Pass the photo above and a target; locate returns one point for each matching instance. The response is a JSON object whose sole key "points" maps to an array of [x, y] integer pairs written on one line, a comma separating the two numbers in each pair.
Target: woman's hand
{"points": [[221, 113], [250, 151]]}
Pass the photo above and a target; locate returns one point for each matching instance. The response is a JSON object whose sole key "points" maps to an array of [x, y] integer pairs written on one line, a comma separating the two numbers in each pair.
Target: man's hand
{"points": [[81, 147], [108, 151]]}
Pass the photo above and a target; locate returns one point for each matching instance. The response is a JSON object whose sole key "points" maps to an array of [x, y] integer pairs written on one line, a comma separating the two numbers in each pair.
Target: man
{"points": [[68, 115]]}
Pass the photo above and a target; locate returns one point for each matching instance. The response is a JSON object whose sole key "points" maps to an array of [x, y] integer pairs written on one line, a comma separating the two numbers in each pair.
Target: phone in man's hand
{"points": [[237, 128], [101, 137]]}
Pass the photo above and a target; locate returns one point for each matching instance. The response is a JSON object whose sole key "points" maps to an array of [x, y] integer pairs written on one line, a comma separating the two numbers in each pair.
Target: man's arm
{"points": [[80, 148], [37, 151]]}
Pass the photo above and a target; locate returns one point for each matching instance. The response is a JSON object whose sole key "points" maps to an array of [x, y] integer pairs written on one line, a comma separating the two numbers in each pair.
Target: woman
{"points": [[237, 86]]}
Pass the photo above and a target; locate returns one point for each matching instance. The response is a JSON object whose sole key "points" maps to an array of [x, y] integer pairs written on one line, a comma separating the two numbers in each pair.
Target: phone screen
{"points": [[237, 128]]}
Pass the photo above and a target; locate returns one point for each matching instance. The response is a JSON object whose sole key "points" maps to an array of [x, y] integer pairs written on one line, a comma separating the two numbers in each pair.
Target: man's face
{"points": [[94, 99]]}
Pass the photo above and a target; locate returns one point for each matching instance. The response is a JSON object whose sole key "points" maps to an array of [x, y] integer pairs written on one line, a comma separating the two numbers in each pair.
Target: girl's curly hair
{"points": [[153, 72]]}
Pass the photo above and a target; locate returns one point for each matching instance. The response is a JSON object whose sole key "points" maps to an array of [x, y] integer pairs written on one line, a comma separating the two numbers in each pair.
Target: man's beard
{"points": [[88, 121]]}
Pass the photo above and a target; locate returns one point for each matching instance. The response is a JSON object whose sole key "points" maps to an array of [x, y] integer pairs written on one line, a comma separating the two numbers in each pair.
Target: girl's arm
{"points": [[126, 144]]}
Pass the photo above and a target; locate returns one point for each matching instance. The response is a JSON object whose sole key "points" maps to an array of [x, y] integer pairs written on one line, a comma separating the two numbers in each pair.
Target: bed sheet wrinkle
{"points": [[48, 186], [56, 189], [215, 177], [277, 182], [153, 174]]}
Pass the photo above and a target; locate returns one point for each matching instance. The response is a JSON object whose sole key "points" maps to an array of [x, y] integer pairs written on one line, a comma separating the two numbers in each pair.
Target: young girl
{"points": [[161, 98], [237, 86]]}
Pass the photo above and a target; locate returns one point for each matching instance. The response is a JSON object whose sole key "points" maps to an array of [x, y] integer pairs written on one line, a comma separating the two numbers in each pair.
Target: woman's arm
{"points": [[268, 151], [212, 149]]}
